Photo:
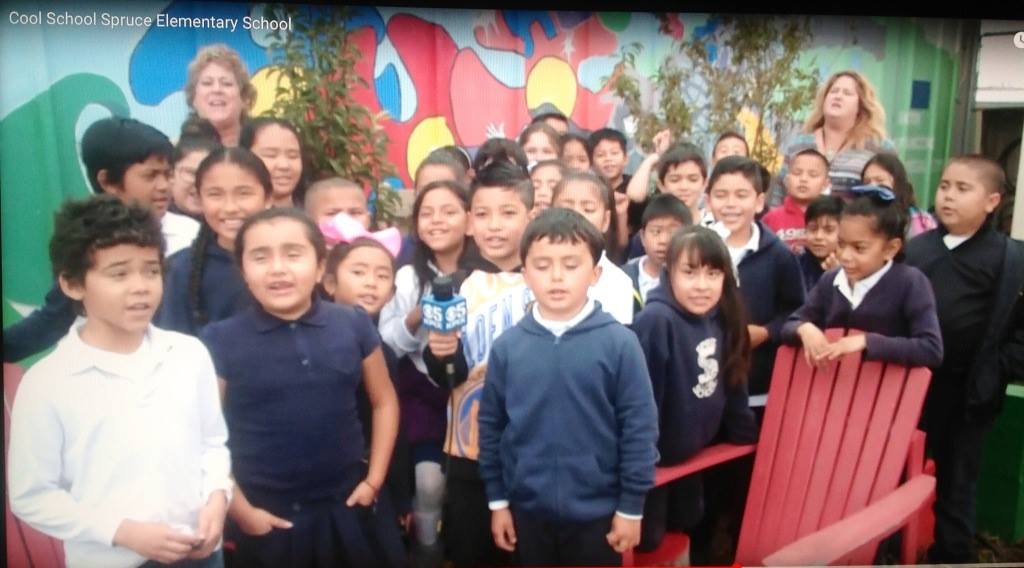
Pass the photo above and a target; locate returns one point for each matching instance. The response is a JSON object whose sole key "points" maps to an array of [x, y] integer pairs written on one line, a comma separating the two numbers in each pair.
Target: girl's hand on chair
{"points": [[815, 343], [625, 533], [363, 495], [758, 335], [846, 345]]}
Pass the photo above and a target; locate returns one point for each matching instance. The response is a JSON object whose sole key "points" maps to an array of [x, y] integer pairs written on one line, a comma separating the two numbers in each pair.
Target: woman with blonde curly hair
{"points": [[847, 125], [218, 90]]}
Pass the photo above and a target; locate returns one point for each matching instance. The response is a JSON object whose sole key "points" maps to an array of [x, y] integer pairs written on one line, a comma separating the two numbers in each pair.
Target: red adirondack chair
{"points": [[826, 485], [26, 547]]}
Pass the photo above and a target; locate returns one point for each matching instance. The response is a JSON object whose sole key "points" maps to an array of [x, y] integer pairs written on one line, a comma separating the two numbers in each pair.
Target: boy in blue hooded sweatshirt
{"points": [[693, 331], [567, 418]]}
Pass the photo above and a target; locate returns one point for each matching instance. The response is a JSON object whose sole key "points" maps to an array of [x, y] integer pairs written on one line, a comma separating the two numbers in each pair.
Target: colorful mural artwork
{"points": [[443, 77]]}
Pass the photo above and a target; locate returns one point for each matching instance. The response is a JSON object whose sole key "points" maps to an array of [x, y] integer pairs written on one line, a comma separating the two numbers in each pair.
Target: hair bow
{"points": [[344, 229], [877, 191]]}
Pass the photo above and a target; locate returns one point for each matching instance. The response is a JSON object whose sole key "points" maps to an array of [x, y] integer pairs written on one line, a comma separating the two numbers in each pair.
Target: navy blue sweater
{"points": [[40, 329], [811, 269], [772, 288], [222, 291], [685, 359], [897, 315], [568, 425]]}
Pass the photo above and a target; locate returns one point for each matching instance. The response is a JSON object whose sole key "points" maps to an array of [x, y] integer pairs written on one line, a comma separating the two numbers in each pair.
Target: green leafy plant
{"points": [[756, 67], [316, 63]]}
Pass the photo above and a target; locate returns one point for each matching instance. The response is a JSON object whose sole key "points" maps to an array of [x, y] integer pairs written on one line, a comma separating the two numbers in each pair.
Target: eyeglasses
{"points": [[880, 192]]}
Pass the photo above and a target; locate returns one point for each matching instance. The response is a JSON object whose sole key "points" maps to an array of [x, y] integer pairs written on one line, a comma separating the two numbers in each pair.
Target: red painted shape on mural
{"points": [[487, 102]]}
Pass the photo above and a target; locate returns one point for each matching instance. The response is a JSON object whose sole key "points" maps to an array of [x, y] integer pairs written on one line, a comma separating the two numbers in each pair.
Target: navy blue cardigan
{"points": [[897, 315]]}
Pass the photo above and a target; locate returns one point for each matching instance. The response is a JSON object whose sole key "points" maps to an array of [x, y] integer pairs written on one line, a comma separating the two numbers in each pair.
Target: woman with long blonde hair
{"points": [[847, 125]]}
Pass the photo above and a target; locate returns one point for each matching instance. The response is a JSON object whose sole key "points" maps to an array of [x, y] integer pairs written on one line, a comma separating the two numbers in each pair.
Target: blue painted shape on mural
{"points": [[159, 64], [708, 28], [394, 182], [519, 22], [920, 95], [712, 52], [572, 19], [389, 92], [368, 16]]}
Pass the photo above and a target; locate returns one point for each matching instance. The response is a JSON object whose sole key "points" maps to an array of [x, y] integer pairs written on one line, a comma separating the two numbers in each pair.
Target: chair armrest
{"points": [[878, 520], [704, 459]]}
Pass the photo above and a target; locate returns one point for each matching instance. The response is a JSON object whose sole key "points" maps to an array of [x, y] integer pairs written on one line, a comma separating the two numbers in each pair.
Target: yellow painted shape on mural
{"points": [[748, 120], [266, 82], [431, 133], [552, 80]]}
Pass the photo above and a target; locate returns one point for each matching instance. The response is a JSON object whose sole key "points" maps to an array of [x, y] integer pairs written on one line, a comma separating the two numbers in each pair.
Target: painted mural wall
{"points": [[443, 76]]}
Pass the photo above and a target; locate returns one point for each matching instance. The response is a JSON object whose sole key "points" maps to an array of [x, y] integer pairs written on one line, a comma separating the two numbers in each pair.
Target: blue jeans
{"points": [[215, 560]]}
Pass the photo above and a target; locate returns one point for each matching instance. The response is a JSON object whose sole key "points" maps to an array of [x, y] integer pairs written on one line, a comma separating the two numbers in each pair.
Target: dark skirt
{"points": [[326, 533]]}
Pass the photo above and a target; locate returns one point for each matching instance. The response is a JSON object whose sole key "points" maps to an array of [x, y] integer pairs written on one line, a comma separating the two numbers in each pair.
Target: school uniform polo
{"points": [[290, 402], [99, 437], [179, 231]]}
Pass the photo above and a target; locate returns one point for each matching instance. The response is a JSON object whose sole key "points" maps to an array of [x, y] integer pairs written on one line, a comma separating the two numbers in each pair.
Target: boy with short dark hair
{"points": [[130, 160], [822, 239], [805, 181], [663, 216], [609, 156], [501, 198], [568, 426], [769, 276], [117, 438], [977, 274]]}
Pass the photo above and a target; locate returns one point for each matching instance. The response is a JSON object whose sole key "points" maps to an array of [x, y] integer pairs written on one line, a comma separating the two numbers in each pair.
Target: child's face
{"points": [[280, 267], [538, 148], [656, 237], [365, 278], [806, 179], [574, 154], [610, 160], [822, 236], [585, 199], [229, 195], [877, 175], [183, 186], [120, 292], [559, 275], [735, 201], [544, 182], [218, 96], [862, 250], [146, 183], [729, 147], [431, 173], [279, 150], [329, 201], [685, 182], [442, 222], [697, 287], [498, 218], [963, 202]]}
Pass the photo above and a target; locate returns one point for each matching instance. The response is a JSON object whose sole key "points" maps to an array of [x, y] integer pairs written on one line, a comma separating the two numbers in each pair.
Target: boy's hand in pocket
{"points": [[258, 522]]}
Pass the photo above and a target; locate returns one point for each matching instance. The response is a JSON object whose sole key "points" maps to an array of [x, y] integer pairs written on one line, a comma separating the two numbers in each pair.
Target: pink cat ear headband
{"points": [[344, 229]]}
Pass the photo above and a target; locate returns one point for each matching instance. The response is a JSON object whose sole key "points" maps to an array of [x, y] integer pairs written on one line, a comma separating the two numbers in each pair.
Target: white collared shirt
{"points": [[738, 254], [645, 281], [558, 328], [98, 437], [952, 241], [179, 231], [614, 289], [860, 289]]}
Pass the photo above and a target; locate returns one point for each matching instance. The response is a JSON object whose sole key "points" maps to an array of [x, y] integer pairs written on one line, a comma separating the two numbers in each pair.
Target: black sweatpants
{"points": [[466, 520], [544, 542]]}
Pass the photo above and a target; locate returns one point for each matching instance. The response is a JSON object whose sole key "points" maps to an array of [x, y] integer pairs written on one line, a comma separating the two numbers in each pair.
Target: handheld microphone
{"points": [[445, 312]]}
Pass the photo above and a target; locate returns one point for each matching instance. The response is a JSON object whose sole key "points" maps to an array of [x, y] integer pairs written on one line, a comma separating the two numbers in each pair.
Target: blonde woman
{"points": [[847, 125], [218, 90]]}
